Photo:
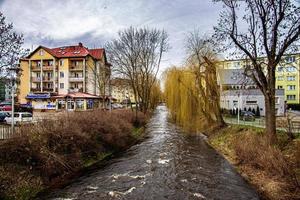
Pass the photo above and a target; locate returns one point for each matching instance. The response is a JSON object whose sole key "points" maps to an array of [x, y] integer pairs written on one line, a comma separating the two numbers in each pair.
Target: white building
{"points": [[239, 91], [251, 98]]}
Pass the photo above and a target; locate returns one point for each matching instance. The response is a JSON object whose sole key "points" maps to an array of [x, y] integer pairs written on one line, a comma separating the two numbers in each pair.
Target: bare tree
{"points": [[136, 55], [257, 29], [202, 59], [10, 46]]}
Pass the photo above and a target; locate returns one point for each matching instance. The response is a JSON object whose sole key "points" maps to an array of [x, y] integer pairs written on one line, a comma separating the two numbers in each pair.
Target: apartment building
{"points": [[121, 91], [49, 75], [287, 76]]}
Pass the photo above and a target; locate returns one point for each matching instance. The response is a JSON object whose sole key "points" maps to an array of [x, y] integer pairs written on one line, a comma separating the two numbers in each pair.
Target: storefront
{"points": [[41, 101], [77, 101]]}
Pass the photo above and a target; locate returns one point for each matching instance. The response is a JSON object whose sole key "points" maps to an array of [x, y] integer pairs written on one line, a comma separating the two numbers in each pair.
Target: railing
{"points": [[76, 68], [35, 89], [76, 79], [48, 67], [36, 79], [46, 78], [35, 68], [6, 132]]}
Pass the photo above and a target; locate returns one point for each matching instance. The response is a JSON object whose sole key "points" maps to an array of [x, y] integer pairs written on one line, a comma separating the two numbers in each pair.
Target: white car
{"points": [[20, 117]]}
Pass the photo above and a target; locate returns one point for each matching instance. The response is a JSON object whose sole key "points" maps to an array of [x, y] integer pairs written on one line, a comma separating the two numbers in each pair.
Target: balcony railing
{"points": [[76, 68], [46, 78], [35, 89], [76, 79], [48, 88], [48, 68], [35, 68], [36, 79]]}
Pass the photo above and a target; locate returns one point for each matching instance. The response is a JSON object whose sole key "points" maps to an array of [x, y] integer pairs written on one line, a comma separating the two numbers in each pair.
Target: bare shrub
{"points": [[52, 148], [253, 149]]}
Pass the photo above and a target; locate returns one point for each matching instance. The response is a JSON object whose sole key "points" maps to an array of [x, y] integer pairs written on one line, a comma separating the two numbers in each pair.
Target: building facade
{"points": [[122, 91], [50, 72], [239, 92], [287, 75]]}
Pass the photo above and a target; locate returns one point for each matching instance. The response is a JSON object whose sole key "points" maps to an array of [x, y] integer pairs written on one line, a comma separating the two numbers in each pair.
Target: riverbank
{"points": [[273, 170], [54, 151]]}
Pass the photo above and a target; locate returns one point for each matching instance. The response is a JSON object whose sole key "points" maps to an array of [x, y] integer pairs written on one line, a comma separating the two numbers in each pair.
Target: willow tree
{"points": [[182, 97], [202, 61], [255, 29]]}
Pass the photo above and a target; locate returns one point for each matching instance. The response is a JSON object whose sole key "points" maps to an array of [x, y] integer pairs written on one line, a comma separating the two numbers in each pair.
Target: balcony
{"points": [[35, 68], [48, 79], [76, 79], [35, 89], [48, 89], [48, 68], [36, 79], [76, 68]]}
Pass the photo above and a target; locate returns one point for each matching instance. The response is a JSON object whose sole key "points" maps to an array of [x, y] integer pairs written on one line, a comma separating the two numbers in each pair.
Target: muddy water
{"points": [[167, 165]]}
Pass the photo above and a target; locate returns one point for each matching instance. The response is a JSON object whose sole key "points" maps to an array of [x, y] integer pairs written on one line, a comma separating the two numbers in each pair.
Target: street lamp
{"points": [[14, 71]]}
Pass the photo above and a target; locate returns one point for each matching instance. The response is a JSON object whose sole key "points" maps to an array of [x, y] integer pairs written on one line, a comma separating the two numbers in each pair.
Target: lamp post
{"points": [[14, 71]]}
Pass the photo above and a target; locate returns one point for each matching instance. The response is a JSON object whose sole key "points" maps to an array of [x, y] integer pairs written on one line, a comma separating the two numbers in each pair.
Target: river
{"points": [[169, 164]]}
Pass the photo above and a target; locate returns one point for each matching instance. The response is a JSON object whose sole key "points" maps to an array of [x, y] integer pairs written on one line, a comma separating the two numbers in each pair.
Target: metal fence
{"points": [[6, 132]]}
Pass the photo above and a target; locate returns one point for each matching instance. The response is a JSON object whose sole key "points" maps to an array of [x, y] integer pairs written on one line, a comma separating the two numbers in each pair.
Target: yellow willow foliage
{"points": [[155, 95], [182, 97]]}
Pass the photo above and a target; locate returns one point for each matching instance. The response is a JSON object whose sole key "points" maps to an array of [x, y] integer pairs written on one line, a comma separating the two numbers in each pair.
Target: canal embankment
{"points": [[273, 170], [54, 151]]}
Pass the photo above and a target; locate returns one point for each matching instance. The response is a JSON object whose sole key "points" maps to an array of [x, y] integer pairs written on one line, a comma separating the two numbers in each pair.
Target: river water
{"points": [[169, 164]]}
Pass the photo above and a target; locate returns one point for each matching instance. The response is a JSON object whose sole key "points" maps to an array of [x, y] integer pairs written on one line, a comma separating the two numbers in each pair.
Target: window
{"points": [[279, 87], [280, 78], [290, 59], [76, 85], [25, 115], [61, 62], [280, 69], [291, 97], [38, 85], [51, 63], [291, 69], [291, 87], [61, 74], [61, 85], [38, 74], [291, 78], [16, 115], [39, 63], [79, 104], [41, 52], [276, 100]]}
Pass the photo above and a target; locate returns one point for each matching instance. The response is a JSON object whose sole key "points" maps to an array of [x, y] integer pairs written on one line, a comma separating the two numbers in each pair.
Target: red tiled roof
{"points": [[73, 51]]}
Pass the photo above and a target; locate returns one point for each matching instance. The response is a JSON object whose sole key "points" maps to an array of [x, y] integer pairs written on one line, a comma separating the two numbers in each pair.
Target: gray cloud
{"points": [[54, 23]]}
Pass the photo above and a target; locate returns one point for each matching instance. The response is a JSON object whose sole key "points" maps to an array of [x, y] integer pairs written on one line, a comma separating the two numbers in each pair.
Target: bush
{"points": [[53, 148], [254, 150]]}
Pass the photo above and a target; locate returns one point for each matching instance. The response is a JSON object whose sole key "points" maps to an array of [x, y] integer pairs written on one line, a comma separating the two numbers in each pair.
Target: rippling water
{"points": [[167, 165]]}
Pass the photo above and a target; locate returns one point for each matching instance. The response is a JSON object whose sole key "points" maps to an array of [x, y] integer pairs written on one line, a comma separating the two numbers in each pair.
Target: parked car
{"points": [[19, 117], [6, 108], [247, 116], [117, 106], [3, 115]]}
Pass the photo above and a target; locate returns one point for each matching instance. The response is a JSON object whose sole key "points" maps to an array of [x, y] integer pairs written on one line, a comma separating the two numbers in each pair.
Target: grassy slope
{"points": [[268, 185]]}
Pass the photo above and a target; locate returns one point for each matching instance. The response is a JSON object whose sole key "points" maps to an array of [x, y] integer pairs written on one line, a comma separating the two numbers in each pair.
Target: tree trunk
{"points": [[270, 116]]}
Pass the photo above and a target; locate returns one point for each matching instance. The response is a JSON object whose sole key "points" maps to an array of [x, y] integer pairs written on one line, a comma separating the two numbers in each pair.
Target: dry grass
{"points": [[269, 168], [53, 148]]}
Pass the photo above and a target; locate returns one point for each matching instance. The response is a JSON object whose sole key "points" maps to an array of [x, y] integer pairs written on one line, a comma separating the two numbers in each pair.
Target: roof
{"points": [[234, 77], [78, 95], [247, 92], [72, 51]]}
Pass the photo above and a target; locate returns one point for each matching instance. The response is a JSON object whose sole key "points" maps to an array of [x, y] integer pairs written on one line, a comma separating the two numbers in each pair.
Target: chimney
{"points": [[80, 44]]}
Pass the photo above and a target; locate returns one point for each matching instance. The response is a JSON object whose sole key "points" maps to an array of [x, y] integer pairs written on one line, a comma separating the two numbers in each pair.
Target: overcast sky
{"points": [[94, 22]]}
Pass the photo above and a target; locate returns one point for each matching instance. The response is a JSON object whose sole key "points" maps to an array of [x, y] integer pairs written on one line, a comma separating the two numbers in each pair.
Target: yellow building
{"points": [[48, 73], [287, 75], [121, 90]]}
